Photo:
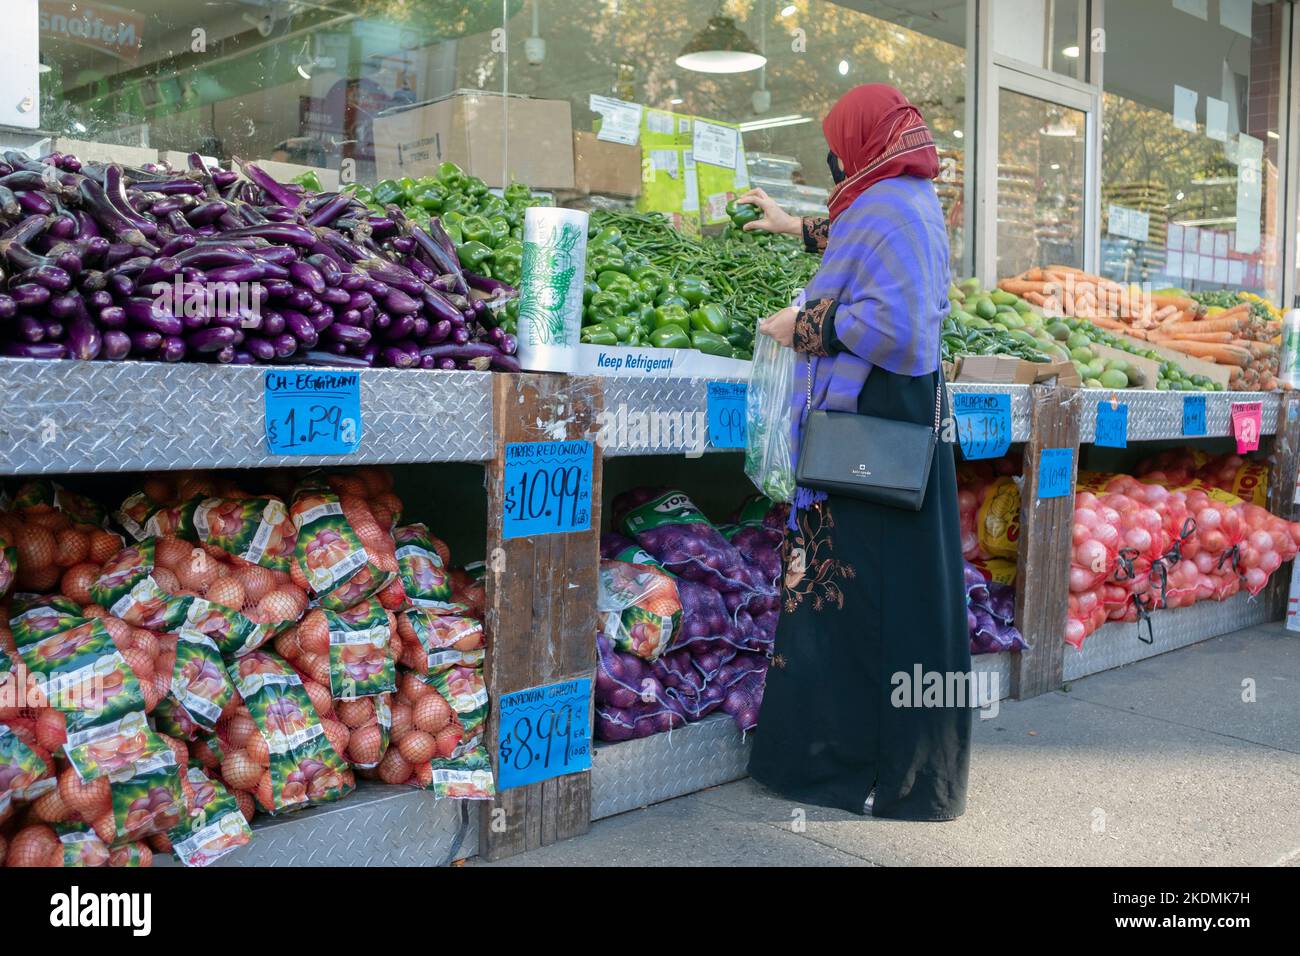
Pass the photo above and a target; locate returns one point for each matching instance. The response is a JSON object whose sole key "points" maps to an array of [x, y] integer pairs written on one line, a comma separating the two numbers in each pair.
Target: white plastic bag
{"points": [[767, 419]]}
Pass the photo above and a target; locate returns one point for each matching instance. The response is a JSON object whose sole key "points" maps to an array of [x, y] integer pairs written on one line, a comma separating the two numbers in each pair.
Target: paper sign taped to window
{"points": [[620, 120], [1216, 119], [1185, 108], [715, 144]]}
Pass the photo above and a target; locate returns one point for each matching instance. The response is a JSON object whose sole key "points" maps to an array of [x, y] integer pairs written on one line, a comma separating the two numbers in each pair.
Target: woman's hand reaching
{"points": [[780, 325], [775, 219]]}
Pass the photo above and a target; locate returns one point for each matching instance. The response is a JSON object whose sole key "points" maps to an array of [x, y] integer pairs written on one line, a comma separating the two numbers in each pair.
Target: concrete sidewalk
{"points": [[1159, 763]]}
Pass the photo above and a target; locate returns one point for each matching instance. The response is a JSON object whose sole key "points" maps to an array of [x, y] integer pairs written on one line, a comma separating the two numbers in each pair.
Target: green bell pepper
{"points": [[500, 230], [670, 297], [693, 289], [711, 344], [429, 196], [450, 175], [598, 335], [606, 304], [473, 255], [672, 315], [614, 279], [477, 229], [710, 318], [589, 289], [388, 190], [518, 192], [508, 261], [622, 327], [741, 213], [670, 337], [309, 180], [604, 259], [474, 186], [609, 236]]}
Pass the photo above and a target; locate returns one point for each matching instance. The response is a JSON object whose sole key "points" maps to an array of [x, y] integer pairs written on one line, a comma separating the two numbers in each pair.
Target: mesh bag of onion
{"points": [[341, 555], [213, 825], [639, 607], [631, 702], [669, 526], [277, 746]]}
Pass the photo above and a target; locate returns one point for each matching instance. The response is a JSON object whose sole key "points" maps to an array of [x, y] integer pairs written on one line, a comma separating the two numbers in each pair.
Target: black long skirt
{"points": [[873, 599]]}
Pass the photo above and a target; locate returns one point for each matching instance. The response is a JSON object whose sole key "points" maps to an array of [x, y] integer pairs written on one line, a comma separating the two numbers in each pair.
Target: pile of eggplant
{"points": [[98, 261]]}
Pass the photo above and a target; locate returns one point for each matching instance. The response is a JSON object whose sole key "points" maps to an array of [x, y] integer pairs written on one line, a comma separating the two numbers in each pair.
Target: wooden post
{"points": [[1043, 575], [541, 607], [1283, 468]]}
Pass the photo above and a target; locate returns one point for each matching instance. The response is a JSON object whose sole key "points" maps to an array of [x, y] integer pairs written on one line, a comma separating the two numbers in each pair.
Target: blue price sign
{"points": [[547, 488], [544, 732], [1055, 469], [727, 414], [312, 413], [1193, 415], [1112, 426], [983, 424]]}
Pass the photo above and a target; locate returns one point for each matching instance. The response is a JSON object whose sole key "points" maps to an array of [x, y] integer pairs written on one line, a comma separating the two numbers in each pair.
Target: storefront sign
{"points": [[983, 424], [547, 488], [727, 414], [1112, 425], [544, 732], [111, 30], [312, 413]]}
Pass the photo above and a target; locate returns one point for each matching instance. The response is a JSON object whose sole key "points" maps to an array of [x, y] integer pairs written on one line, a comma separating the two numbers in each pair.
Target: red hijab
{"points": [[877, 134]]}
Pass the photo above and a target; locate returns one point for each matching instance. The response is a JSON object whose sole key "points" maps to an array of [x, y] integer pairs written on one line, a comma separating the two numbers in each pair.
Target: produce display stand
{"points": [[86, 418]]}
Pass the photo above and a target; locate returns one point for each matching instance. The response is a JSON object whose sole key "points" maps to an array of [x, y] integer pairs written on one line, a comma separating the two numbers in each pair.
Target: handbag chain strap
{"points": [[938, 395]]}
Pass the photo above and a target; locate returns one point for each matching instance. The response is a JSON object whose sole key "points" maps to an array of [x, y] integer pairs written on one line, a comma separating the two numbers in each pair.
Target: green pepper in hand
{"points": [[741, 213]]}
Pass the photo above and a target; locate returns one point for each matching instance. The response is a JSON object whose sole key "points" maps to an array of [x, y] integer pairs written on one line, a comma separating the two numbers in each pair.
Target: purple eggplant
{"points": [[211, 340], [149, 315], [172, 348], [116, 345], [32, 350], [84, 339]]}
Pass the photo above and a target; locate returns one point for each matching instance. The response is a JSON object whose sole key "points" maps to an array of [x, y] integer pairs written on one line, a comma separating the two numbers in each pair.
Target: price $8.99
{"points": [[552, 737], [322, 422], [548, 492]]}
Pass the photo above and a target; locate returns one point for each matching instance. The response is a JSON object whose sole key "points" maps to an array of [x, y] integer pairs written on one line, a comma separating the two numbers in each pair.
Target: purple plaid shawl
{"points": [[886, 267]]}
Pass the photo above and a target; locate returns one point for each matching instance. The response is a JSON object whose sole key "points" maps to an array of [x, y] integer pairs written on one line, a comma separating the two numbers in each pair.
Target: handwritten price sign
{"points": [[547, 488], [1112, 426], [983, 424], [1055, 470], [727, 414], [312, 413], [1247, 418], [543, 732], [1193, 415]]}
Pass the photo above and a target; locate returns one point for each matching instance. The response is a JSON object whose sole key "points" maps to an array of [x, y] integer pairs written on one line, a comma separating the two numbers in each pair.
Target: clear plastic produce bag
{"points": [[767, 414]]}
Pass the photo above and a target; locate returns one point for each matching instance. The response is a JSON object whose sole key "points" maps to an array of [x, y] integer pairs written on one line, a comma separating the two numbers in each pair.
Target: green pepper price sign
{"points": [[547, 488], [726, 411], [543, 732]]}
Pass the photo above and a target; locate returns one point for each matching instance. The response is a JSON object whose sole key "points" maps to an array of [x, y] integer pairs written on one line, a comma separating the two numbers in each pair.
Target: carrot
{"points": [[1202, 325], [1177, 301], [1223, 338], [1021, 286], [1223, 354]]}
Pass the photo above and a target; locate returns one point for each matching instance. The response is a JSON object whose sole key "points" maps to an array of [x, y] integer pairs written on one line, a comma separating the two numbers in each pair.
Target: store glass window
{"points": [[664, 105], [1190, 178]]}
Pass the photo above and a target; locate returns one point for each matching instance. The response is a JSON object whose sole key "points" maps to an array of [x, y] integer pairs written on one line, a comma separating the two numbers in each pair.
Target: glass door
{"points": [[1039, 165]]}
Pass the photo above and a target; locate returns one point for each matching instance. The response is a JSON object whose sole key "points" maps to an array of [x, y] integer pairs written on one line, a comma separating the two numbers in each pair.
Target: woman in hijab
{"points": [[873, 600]]}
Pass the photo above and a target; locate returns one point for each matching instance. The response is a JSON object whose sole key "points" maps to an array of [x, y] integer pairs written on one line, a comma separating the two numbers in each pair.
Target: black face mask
{"points": [[837, 171]]}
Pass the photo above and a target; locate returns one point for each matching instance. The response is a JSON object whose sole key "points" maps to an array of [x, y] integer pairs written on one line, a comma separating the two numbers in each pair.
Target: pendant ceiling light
{"points": [[721, 47]]}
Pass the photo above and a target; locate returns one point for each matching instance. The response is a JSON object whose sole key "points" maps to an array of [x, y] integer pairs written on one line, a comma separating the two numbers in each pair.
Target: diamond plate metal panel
{"points": [[1020, 402], [998, 667], [1117, 644], [378, 825], [678, 406], [1156, 415], [64, 417], [637, 773]]}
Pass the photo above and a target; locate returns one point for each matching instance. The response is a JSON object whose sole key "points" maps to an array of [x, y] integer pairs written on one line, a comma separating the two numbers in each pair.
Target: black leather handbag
{"points": [[873, 459]]}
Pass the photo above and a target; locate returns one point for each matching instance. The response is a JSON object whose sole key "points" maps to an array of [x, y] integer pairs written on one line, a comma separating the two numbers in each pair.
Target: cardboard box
{"points": [[91, 152], [1009, 370], [611, 169], [471, 129]]}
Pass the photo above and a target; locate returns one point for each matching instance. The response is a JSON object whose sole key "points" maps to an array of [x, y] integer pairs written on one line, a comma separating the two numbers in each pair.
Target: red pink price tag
{"points": [[1246, 421]]}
